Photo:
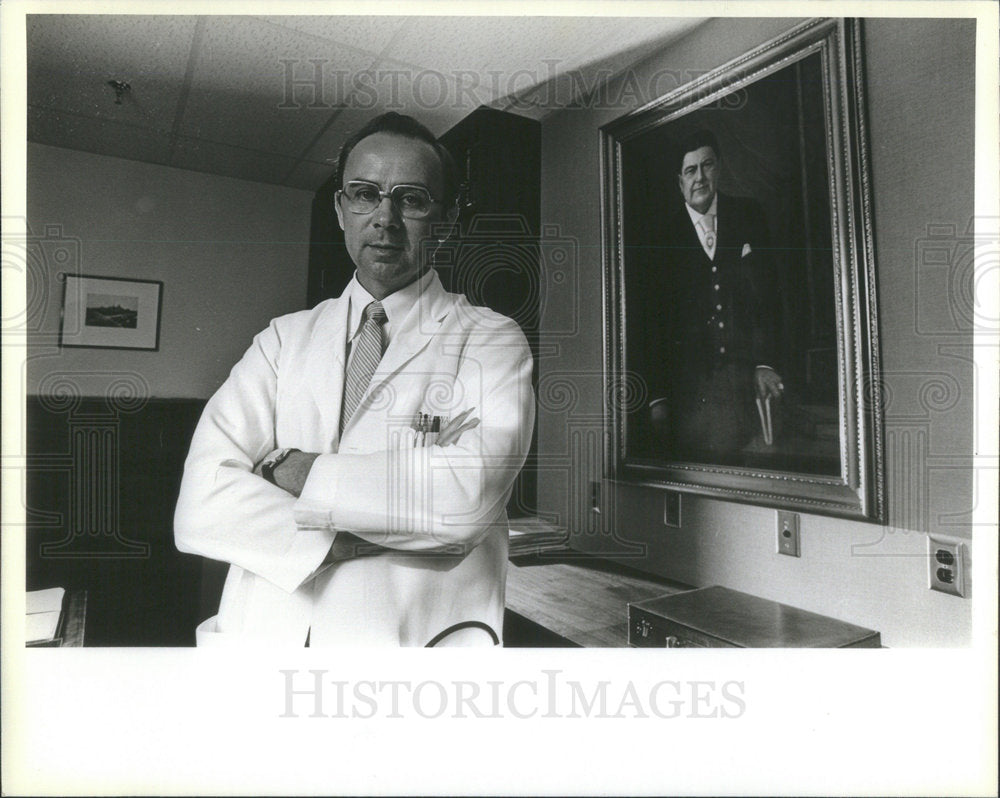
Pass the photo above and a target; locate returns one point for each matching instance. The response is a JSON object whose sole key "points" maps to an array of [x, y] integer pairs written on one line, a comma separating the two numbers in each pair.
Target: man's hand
{"points": [[291, 474], [767, 383]]}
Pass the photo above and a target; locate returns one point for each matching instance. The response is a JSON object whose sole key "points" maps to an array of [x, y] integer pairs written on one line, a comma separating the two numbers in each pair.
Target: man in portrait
{"points": [[710, 314], [355, 467]]}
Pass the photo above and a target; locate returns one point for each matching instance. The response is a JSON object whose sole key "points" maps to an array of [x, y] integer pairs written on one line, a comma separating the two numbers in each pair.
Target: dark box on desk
{"points": [[717, 617]]}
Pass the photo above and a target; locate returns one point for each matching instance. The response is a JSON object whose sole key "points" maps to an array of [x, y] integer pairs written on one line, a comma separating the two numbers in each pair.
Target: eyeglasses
{"points": [[413, 202]]}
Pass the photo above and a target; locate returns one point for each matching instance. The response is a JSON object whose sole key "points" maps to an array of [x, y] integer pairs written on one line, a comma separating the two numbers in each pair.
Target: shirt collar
{"points": [[712, 209], [396, 305]]}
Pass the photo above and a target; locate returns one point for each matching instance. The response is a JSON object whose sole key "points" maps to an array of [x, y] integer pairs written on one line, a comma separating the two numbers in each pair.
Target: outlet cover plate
{"points": [[946, 565], [788, 534]]}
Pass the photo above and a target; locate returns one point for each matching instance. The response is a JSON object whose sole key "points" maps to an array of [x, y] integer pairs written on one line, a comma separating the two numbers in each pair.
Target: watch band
{"points": [[272, 461]]}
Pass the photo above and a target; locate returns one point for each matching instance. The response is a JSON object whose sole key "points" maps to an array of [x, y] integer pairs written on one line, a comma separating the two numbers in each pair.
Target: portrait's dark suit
{"points": [[704, 325]]}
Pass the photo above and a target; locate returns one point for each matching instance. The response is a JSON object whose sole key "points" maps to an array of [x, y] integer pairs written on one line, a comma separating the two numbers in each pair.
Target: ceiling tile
{"points": [[371, 34], [495, 57], [431, 96], [622, 35], [238, 91], [327, 147], [71, 58], [509, 45], [438, 116], [222, 159], [626, 44], [226, 97], [101, 136]]}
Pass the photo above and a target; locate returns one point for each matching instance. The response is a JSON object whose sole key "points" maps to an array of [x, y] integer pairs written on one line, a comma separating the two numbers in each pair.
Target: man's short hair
{"points": [[695, 141], [407, 126]]}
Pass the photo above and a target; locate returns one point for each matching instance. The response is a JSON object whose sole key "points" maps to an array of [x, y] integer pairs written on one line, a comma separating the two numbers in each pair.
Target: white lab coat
{"points": [[441, 509]]}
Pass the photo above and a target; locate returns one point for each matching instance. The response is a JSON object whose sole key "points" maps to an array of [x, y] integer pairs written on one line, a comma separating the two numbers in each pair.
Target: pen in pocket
{"points": [[426, 429]]}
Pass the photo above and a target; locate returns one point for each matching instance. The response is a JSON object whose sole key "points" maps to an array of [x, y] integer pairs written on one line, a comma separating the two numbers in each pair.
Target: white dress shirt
{"points": [[705, 222], [396, 306]]}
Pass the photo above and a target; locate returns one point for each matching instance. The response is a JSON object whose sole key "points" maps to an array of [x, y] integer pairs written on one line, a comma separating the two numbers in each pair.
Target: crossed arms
{"points": [[292, 473], [432, 499]]}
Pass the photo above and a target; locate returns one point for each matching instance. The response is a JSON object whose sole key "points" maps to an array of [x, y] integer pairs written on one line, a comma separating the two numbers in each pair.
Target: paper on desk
{"points": [[43, 608], [528, 536], [40, 627], [44, 600]]}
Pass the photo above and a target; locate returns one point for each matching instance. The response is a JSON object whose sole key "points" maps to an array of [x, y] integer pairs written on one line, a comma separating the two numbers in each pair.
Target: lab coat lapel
{"points": [[325, 370]]}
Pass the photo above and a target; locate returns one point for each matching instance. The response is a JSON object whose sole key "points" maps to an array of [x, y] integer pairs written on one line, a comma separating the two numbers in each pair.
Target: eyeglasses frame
{"points": [[383, 194]]}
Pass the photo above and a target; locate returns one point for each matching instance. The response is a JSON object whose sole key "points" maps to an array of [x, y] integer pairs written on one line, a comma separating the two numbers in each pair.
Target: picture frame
{"points": [[110, 313], [781, 407]]}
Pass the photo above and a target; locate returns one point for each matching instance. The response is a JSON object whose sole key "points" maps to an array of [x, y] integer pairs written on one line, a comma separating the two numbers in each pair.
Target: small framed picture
{"points": [[111, 313]]}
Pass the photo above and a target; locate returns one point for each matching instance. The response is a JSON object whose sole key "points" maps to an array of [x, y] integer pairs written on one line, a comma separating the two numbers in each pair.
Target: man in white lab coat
{"points": [[357, 509]]}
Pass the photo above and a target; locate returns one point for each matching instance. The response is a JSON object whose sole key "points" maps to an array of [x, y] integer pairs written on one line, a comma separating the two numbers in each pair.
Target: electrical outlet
{"points": [[788, 534], [946, 565], [672, 509]]}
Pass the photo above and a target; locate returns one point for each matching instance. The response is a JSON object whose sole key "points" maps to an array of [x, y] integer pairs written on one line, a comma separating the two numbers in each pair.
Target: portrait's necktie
{"points": [[708, 227], [364, 359]]}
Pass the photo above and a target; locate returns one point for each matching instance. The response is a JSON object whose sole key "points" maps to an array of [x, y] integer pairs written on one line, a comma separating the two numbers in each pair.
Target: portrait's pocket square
{"points": [[746, 251]]}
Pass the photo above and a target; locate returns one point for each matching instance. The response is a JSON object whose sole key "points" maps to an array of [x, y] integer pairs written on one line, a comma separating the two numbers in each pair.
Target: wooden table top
{"points": [[582, 598]]}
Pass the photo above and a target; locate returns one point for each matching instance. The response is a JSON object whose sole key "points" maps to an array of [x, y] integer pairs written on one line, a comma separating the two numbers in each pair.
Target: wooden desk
{"points": [[582, 599], [571, 599]]}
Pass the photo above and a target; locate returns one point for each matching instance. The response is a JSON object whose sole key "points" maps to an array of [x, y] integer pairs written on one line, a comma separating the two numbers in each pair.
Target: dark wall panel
{"points": [[103, 479]]}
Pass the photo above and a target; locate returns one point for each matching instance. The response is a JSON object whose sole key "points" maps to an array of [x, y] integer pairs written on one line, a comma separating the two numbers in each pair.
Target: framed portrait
{"points": [[110, 312], [741, 325]]}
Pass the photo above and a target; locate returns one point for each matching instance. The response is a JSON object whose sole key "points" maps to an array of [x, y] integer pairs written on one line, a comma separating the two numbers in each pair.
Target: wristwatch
{"points": [[272, 461]]}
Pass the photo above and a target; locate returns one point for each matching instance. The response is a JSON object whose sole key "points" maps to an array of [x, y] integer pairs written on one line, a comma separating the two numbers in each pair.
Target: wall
{"points": [[921, 110], [231, 254]]}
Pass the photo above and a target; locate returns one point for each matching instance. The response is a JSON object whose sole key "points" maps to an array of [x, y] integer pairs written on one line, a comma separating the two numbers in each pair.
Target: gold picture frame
{"points": [[789, 120]]}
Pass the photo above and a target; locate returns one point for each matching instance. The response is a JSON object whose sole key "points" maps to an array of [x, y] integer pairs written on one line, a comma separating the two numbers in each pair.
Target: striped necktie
{"points": [[366, 355]]}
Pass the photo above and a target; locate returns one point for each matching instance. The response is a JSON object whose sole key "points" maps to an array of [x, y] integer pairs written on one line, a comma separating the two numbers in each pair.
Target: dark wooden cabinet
{"points": [[330, 267], [494, 258]]}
